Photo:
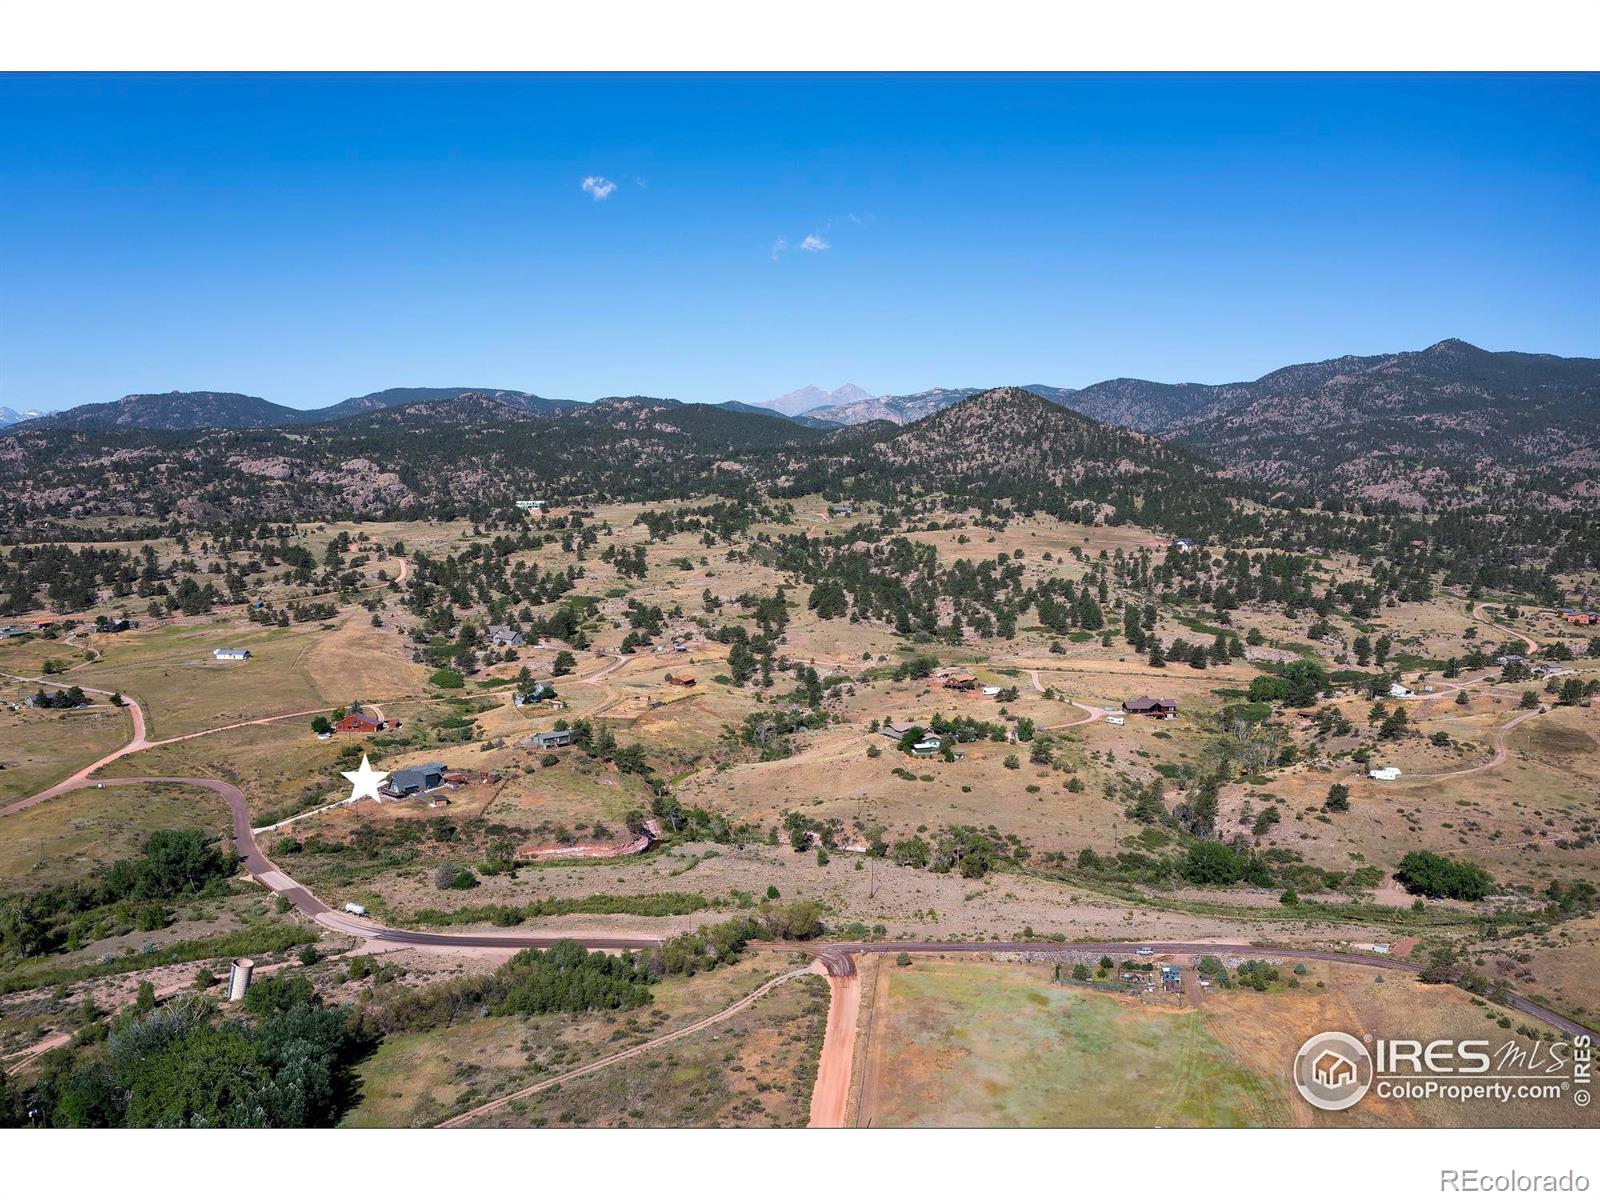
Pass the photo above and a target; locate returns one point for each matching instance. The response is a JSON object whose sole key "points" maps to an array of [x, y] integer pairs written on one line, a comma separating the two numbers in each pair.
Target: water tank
{"points": [[239, 977]]}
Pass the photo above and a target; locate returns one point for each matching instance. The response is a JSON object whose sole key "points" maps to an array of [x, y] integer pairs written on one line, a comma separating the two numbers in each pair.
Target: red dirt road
{"points": [[831, 1094]]}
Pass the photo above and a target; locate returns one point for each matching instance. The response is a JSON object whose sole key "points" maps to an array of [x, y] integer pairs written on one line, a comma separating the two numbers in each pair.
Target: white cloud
{"points": [[778, 247], [814, 242], [598, 186]]}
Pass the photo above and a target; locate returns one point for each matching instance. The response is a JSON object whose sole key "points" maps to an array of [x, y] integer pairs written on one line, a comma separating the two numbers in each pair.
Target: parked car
{"points": [[355, 910]]}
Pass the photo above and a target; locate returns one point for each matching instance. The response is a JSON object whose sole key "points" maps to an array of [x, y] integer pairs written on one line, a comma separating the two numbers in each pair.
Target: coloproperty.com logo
{"points": [[1334, 1070]]}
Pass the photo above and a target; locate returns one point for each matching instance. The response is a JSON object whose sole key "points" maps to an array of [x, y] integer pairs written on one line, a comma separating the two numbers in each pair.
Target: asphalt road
{"points": [[840, 959], [837, 958]]}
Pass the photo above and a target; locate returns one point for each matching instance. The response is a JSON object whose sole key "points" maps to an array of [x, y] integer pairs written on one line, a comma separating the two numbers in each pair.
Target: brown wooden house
{"points": [[1150, 706]]}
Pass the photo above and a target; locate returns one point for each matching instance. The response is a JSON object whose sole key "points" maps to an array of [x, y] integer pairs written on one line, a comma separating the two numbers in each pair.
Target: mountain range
{"points": [[10, 416], [1420, 429], [231, 410], [810, 397]]}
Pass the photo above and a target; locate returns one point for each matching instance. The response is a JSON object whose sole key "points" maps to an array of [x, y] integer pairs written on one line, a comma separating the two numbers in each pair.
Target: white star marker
{"points": [[364, 782]]}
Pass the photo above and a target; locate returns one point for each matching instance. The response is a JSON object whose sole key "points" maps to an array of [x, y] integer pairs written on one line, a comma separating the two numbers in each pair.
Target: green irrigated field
{"points": [[999, 1045]]}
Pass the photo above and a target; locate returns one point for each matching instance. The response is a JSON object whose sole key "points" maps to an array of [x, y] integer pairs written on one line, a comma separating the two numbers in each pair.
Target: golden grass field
{"points": [[74, 835], [39, 747], [972, 1043], [420, 1079]]}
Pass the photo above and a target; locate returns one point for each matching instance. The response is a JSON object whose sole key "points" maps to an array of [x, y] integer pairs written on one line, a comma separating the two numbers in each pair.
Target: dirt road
{"points": [[833, 1075], [1501, 749], [830, 1096], [138, 742], [1532, 646], [599, 1064]]}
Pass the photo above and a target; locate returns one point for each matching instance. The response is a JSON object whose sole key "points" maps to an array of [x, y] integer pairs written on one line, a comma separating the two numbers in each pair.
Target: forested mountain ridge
{"points": [[233, 410], [397, 397], [170, 410], [1441, 427], [999, 452], [1008, 444], [426, 458]]}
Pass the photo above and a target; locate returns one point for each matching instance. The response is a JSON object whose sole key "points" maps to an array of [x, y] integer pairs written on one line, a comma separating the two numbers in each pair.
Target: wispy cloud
{"points": [[598, 186], [778, 247], [814, 242]]}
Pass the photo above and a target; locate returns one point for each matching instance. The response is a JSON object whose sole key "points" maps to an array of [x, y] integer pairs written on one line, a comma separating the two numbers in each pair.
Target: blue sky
{"points": [[308, 238]]}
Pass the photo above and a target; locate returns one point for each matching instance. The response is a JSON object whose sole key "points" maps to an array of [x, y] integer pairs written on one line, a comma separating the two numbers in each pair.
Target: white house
{"points": [[230, 655], [1387, 774], [1400, 691]]}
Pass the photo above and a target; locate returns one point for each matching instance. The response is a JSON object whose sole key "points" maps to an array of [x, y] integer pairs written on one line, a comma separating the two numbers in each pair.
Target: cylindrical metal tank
{"points": [[239, 977]]}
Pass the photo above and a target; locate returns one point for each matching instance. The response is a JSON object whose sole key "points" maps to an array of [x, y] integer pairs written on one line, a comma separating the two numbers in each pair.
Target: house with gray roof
{"points": [[408, 781]]}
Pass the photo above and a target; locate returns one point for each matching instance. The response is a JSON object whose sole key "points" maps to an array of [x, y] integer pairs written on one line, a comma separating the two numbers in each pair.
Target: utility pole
{"points": [[872, 876]]}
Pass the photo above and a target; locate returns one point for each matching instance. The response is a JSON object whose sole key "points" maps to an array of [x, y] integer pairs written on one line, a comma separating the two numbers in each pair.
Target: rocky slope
{"points": [[1430, 428], [803, 400]]}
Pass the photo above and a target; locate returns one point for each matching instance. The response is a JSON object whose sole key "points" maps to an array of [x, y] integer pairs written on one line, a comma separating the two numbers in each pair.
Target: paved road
{"points": [[275, 879], [840, 959]]}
